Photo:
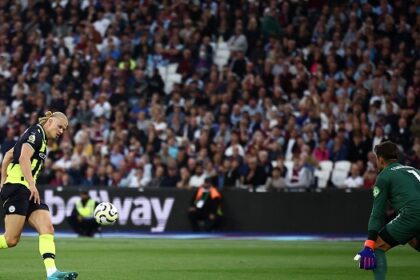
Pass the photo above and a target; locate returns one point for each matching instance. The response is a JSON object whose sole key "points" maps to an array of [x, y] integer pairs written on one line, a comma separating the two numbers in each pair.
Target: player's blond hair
{"points": [[49, 115]]}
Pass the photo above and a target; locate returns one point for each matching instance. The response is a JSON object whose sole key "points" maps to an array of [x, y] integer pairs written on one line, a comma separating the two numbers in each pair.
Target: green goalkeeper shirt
{"points": [[400, 185]]}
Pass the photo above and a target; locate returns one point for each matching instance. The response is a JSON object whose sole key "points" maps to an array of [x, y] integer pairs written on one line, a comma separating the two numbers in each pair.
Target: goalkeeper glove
{"points": [[366, 257]]}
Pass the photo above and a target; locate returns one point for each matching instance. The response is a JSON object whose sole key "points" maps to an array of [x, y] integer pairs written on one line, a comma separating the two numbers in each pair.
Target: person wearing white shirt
{"points": [[20, 86], [65, 162], [354, 180], [379, 136], [238, 41], [234, 145], [299, 175], [102, 108], [198, 178]]}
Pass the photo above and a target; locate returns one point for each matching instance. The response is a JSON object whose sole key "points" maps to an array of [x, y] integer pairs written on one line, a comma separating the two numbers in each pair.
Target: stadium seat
{"points": [[172, 68], [221, 56], [289, 164], [326, 165], [340, 173], [342, 165], [323, 174], [220, 62], [69, 42], [169, 76], [223, 53], [222, 46], [167, 70]]}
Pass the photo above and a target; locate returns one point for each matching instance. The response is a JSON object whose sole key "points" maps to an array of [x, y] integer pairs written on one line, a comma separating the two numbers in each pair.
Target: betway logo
{"points": [[138, 210]]}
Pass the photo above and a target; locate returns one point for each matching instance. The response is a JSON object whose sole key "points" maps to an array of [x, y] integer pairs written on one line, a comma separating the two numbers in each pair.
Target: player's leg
{"points": [[382, 245], [398, 231], [13, 225], [90, 225], [194, 217], [40, 219], [75, 224], [212, 223], [15, 199], [415, 243], [381, 263]]}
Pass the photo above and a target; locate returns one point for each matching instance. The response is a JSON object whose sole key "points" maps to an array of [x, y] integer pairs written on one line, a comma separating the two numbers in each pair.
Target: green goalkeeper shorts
{"points": [[401, 229]]}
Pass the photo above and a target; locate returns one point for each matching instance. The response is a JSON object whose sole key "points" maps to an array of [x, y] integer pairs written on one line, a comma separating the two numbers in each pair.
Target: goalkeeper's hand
{"points": [[366, 257]]}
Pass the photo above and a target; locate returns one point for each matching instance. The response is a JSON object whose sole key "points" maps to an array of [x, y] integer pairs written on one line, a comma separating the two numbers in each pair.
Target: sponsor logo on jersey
{"points": [[43, 156], [31, 138], [376, 191]]}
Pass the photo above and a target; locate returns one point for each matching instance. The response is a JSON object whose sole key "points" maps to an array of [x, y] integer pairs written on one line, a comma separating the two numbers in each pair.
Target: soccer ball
{"points": [[106, 214]]}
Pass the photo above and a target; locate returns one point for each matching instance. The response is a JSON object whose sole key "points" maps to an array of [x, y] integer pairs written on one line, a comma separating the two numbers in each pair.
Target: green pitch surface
{"points": [[143, 259]]}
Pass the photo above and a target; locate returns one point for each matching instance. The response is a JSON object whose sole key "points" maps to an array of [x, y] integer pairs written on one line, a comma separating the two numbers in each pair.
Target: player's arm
{"points": [[25, 164], [377, 216], [31, 142], [380, 196], [7, 159]]}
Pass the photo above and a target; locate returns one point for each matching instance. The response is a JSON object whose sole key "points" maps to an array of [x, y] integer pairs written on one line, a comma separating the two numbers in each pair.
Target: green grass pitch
{"points": [[144, 259]]}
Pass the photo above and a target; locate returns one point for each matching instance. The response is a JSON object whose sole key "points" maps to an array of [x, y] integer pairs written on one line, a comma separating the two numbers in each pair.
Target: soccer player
{"points": [[400, 185], [21, 201]]}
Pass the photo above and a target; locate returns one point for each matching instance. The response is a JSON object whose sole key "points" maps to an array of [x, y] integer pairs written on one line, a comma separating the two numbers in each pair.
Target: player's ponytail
{"points": [[44, 119]]}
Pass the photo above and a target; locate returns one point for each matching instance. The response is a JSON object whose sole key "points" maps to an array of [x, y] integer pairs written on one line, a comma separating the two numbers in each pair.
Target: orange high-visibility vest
{"points": [[214, 193]]}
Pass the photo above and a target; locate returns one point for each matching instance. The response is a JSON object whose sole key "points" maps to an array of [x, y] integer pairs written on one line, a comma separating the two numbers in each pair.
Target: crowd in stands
{"points": [[306, 81]]}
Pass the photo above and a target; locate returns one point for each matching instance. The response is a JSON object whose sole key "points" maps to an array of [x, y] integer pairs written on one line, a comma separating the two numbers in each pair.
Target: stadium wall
{"points": [[326, 212]]}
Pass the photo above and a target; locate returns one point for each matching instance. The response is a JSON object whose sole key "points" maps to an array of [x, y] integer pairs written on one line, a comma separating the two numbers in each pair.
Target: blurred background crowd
{"points": [[303, 82]]}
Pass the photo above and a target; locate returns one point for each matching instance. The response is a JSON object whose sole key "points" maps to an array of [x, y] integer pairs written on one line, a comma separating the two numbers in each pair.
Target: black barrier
{"points": [[165, 210]]}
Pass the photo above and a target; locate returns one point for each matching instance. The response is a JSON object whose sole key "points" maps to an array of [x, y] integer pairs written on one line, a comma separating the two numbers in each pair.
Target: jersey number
{"points": [[415, 174]]}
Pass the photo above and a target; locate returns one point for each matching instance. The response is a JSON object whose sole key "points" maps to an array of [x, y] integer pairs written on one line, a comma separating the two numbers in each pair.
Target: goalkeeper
{"points": [[400, 185]]}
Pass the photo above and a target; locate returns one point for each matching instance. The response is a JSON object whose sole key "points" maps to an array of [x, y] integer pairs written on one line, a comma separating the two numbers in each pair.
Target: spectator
{"points": [[298, 176], [184, 179], [358, 149], [402, 135], [254, 176], [231, 173], [158, 177], [205, 212], [171, 178], [10, 140], [81, 219], [270, 23], [238, 42], [89, 179], [321, 152], [354, 180], [369, 178], [276, 181], [298, 75], [197, 179]]}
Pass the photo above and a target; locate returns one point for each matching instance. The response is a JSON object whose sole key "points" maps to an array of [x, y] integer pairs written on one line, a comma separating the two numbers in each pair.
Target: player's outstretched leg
{"points": [[60, 275], [41, 221], [47, 250]]}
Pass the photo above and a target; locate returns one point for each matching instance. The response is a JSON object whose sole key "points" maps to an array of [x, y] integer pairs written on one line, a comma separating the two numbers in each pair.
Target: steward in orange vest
{"points": [[205, 212]]}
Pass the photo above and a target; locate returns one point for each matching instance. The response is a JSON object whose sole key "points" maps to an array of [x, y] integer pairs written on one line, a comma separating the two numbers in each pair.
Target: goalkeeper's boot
{"points": [[61, 275]]}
